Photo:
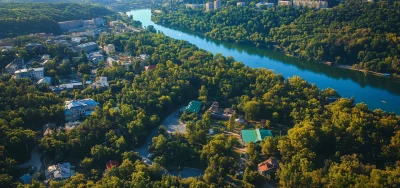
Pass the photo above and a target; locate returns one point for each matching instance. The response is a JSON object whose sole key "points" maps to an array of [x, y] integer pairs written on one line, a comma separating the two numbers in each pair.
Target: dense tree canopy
{"points": [[18, 19], [356, 33]]}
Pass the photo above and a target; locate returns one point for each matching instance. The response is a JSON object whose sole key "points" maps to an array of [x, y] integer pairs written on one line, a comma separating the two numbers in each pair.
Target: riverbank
{"points": [[270, 47], [369, 89]]}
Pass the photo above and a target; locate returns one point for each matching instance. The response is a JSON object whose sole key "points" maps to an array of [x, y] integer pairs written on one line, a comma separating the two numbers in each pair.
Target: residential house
{"points": [[7, 46], [76, 109], [95, 57], [88, 47], [257, 135], [268, 166], [218, 113], [31, 46], [150, 67], [31, 73], [111, 60], [45, 57], [44, 80], [193, 107], [14, 66], [110, 164], [101, 82], [26, 179], [109, 49], [59, 171]]}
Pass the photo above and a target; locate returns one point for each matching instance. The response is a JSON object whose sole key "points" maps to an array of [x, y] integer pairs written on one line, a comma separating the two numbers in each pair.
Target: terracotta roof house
{"points": [[110, 164], [268, 166]]}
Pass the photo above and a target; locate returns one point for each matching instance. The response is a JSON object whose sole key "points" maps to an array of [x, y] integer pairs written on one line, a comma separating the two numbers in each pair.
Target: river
{"points": [[376, 92]]}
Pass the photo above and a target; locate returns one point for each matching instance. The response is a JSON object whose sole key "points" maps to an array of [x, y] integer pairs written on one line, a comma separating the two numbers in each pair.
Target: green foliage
{"points": [[24, 18], [357, 33]]}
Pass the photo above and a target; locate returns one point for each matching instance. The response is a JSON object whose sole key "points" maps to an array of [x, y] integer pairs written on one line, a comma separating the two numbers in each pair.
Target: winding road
{"points": [[172, 125]]}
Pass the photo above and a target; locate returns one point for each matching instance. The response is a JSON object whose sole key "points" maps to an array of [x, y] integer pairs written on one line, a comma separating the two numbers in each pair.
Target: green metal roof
{"points": [[251, 135], [262, 133], [194, 106]]}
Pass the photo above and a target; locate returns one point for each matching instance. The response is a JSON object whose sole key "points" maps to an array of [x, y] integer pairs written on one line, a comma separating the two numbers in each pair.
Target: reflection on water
{"points": [[370, 89]]}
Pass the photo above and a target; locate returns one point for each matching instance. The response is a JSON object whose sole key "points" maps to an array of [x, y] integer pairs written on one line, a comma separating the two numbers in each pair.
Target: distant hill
{"points": [[24, 18]]}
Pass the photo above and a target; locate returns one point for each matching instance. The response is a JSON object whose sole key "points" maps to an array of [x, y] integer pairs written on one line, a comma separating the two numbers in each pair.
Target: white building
{"points": [[109, 49], [194, 6], [101, 82], [31, 73], [269, 5], [209, 6], [241, 4], [309, 4], [217, 5], [59, 171]]}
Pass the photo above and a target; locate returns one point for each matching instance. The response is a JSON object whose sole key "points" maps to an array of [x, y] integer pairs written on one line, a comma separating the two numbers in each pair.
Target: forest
{"points": [[26, 18], [339, 144], [361, 34]]}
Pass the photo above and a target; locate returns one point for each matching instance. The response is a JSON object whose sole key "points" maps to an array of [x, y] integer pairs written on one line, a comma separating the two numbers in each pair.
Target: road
{"points": [[172, 125], [34, 161]]}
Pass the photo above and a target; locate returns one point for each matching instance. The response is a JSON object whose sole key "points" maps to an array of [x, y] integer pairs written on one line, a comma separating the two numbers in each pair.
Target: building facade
{"points": [[194, 6], [109, 49], [31, 73], [217, 5], [241, 4], [71, 24], [88, 47], [76, 109], [209, 6]]}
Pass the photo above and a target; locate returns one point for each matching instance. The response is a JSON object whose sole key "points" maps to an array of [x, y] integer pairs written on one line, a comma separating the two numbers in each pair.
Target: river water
{"points": [[376, 92]]}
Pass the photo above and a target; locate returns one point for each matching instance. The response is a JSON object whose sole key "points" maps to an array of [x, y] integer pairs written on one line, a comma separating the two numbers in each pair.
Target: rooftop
{"points": [[79, 103], [257, 135], [194, 106], [29, 69]]}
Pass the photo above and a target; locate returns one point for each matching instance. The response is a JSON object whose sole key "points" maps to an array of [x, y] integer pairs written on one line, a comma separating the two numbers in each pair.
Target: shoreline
{"points": [[347, 67]]}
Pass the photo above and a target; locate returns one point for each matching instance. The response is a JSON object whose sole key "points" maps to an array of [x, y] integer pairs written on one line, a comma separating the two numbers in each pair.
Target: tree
{"points": [[252, 109], [203, 93]]}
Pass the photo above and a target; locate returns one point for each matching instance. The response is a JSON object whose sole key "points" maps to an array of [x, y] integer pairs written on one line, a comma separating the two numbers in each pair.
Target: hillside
{"points": [[24, 18], [364, 35]]}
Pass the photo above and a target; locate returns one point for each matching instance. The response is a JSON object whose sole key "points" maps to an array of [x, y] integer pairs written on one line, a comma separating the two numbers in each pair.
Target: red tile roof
{"points": [[111, 164]]}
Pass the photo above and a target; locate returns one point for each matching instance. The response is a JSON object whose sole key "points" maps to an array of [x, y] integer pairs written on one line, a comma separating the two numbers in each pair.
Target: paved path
{"points": [[172, 125], [34, 161]]}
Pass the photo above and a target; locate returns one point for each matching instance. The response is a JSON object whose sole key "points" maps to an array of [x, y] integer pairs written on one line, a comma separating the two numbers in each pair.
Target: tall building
{"points": [[217, 5], [209, 6]]}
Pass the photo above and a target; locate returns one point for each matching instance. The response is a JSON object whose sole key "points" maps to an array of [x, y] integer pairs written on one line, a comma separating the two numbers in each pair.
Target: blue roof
{"points": [[26, 178]]}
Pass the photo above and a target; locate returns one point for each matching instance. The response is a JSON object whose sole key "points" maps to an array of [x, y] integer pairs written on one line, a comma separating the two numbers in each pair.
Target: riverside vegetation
{"points": [[362, 34], [339, 144]]}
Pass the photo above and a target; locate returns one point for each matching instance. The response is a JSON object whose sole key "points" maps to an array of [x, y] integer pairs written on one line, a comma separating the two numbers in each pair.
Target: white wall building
{"points": [[31, 73]]}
